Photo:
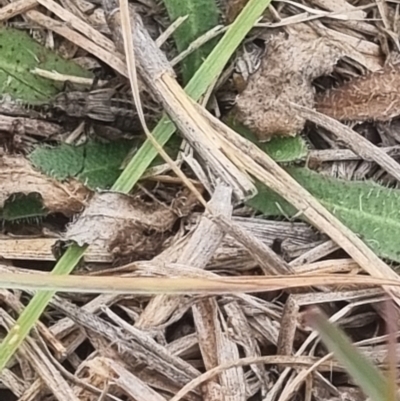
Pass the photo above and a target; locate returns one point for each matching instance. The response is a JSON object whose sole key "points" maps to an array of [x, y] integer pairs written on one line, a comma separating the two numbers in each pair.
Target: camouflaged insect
{"points": [[100, 105]]}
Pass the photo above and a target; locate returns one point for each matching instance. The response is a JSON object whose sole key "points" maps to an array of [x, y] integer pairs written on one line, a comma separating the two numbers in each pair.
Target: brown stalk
{"points": [[261, 166], [182, 285], [28, 126], [15, 8]]}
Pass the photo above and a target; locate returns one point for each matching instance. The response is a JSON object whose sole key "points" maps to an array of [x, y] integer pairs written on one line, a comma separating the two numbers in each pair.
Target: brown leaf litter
{"points": [[285, 76], [126, 225], [374, 96]]}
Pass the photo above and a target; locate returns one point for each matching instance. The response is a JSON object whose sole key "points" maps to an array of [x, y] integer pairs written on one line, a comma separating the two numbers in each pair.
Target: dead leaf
{"points": [[124, 225], [285, 76], [375, 96], [232, 8]]}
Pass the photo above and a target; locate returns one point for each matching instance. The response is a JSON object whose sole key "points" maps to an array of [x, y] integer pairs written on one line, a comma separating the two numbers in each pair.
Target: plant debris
{"points": [[127, 226], [58, 185], [372, 97], [106, 106], [18, 176], [285, 76]]}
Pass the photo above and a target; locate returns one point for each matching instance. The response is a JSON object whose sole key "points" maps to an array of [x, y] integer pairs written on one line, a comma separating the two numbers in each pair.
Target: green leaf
{"points": [[23, 208], [281, 149], [96, 164], [286, 150], [202, 15], [60, 162], [366, 208], [365, 374], [102, 163], [19, 55]]}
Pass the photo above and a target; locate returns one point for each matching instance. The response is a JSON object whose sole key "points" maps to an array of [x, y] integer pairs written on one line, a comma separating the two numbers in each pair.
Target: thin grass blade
{"points": [[364, 373], [38, 304], [202, 79]]}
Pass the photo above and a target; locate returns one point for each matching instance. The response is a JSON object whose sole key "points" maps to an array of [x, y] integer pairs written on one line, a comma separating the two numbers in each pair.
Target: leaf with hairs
{"points": [[96, 164], [20, 54], [368, 209]]}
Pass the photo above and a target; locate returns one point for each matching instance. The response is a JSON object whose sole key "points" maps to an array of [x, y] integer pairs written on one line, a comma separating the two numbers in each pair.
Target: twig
{"points": [[28, 126], [357, 143]]}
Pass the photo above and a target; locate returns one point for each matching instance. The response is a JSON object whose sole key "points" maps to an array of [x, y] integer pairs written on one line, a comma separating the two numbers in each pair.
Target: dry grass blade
{"points": [[357, 143], [181, 285], [298, 381], [74, 22], [268, 360], [209, 284], [157, 73], [198, 252], [46, 370], [212, 68], [15, 8], [111, 58]]}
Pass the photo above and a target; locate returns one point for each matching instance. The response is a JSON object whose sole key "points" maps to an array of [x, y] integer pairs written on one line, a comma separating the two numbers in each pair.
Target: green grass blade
{"points": [[364, 373], [222, 52], [38, 304], [197, 86], [144, 157]]}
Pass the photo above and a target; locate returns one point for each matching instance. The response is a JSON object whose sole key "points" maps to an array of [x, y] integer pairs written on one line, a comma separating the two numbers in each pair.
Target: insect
{"points": [[100, 105], [111, 113]]}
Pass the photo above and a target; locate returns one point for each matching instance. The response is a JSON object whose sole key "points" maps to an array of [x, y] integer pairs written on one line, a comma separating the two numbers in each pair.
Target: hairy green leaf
{"points": [[96, 164], [27, 208], [286, 150], [102, 163], [366, 208], [19, 55], [202, 16], [60, 162]]}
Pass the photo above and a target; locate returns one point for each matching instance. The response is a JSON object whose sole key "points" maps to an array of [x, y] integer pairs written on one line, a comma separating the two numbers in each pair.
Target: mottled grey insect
{"points": [[100, 105]]}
